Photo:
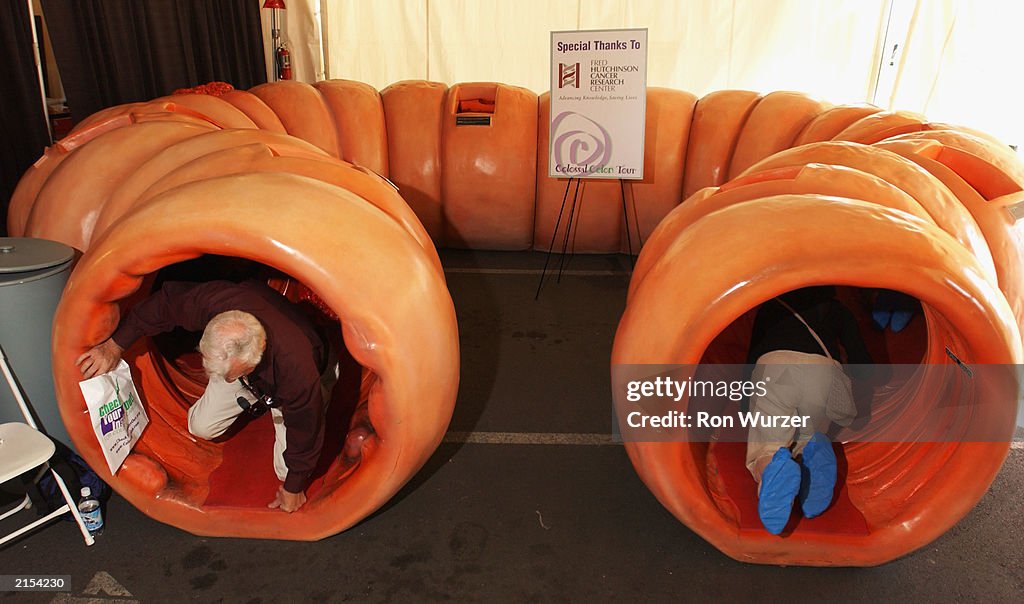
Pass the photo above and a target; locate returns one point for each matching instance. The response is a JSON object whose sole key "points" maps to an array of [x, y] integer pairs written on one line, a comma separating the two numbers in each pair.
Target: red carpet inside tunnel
{"points": [[246, 477], [732, 486]]}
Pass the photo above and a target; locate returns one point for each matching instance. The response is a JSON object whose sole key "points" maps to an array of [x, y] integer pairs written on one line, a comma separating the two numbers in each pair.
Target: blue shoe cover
{"points": [[780, 482], [881, 318], [819, 475], [900, 319]]}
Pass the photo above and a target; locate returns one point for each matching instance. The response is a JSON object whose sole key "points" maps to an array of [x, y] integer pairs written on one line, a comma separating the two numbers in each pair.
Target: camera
{"points": [[263, 403]]}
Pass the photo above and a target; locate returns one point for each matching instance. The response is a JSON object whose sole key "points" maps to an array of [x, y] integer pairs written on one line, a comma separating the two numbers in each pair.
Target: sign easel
{"points": [[598, 118]]}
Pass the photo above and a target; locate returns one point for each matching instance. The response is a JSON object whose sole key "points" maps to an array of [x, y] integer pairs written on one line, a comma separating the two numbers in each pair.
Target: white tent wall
{"points": [[829, 48], [479, 41], [377, 42], [956, 60], [963, 65]]}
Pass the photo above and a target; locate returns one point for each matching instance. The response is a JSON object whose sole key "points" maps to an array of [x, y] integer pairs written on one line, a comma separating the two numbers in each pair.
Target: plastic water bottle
{"points": [[92, 515]]}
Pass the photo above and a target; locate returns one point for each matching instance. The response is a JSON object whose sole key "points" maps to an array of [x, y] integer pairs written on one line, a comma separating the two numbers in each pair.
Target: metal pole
{"points": [[39, 69], [324, 17], [275, 34]]}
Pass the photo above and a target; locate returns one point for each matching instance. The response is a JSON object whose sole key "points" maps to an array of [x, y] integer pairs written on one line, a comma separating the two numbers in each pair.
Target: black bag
{"points": [[46, 495]]}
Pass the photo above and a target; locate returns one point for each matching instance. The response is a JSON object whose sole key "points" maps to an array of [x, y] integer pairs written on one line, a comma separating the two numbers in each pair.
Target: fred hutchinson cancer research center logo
{"points": [[569, 75]]}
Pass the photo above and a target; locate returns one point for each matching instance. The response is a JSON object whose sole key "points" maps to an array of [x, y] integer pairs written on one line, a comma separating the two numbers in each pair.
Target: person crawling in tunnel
{"points": [[259, 352], [795, 350]]}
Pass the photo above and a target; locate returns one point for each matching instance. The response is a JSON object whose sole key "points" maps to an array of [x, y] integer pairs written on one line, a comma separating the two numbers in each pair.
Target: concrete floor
{"points": [[517, 522]]}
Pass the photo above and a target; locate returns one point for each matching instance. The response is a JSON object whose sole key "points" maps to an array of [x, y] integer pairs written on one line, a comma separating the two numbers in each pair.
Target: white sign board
{"points": [[598, 103]]}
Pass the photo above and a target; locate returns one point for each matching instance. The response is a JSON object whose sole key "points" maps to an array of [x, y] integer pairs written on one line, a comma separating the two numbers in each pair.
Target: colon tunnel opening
{"points": [[337, 256], [920, 459], [905, 485]]}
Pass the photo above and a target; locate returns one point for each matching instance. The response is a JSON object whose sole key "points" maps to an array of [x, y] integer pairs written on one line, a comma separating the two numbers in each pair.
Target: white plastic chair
{"points": [[22, 448]]}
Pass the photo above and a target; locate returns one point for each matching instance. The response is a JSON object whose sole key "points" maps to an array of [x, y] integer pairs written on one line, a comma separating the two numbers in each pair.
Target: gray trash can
{"points": [[33, 273]]}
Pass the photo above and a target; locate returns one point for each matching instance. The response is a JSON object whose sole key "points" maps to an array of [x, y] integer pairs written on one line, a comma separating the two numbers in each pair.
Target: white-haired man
{"points": [[255, 342]]}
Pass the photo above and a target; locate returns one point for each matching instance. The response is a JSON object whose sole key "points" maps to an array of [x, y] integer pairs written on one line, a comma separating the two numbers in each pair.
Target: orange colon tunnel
{"points": [[781, 191]]}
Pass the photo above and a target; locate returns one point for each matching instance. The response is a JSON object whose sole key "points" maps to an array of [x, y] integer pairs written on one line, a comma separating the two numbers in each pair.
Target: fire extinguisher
{"points": [[284, 63]]}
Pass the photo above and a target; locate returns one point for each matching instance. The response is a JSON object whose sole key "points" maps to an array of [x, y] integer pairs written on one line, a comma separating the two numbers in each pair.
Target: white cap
{"points": [[86, 491]]}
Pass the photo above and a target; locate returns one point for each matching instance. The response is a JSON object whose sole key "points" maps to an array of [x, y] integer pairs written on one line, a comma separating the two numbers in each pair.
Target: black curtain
{"points": [[23, 125], [120, 51]]}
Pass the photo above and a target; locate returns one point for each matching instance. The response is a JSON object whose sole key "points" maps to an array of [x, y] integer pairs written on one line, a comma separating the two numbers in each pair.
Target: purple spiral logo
{"points": [[579, 140]]}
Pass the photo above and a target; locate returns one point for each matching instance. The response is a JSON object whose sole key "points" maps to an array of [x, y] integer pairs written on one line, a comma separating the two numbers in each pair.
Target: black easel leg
{"points": [[636, 222], [568, 229], [625, 216], [575, 230], [554, 232]]}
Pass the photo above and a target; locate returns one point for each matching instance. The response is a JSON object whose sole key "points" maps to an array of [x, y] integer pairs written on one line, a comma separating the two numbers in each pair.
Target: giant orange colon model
{"points": [[781, 191]]}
